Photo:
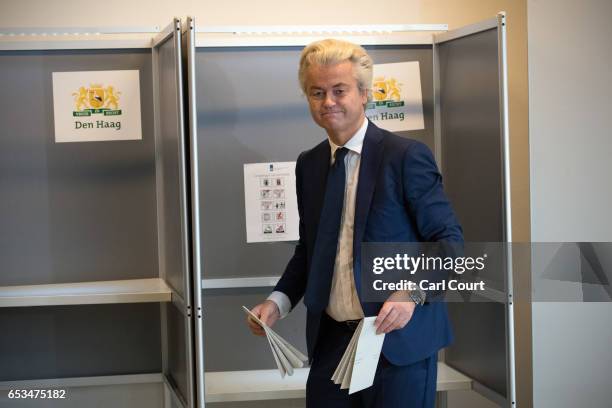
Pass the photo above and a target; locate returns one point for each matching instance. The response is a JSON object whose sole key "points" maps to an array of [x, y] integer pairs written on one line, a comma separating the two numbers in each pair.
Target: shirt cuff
{"points": [[282, 301]]}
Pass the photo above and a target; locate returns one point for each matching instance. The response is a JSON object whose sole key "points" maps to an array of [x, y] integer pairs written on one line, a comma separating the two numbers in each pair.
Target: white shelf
{"points": [[225, 386], [450, 379], [253, 282], [251, 385], [85, 293]]}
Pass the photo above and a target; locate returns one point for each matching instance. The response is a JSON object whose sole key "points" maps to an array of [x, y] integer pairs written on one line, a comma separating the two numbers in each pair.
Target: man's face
{"points": [[336, 103]]}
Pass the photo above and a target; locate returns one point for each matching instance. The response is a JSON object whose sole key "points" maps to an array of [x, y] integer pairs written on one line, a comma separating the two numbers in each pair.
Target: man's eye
{"points": [[338, 91], [316, 94]]}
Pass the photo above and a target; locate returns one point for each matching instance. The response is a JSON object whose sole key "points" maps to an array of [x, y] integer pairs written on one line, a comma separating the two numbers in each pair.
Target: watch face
{"points": [[417, 297]]}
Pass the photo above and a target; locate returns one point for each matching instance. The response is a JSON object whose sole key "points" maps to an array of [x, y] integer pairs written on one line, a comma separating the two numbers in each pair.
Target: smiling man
{"points": [[362, 184]]}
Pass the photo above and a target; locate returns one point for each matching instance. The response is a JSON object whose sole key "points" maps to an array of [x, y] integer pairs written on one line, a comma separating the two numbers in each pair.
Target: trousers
{"points": [[409, 386]]}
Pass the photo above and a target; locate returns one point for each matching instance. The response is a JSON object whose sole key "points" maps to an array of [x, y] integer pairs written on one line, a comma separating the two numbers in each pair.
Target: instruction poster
{"points": [[397, 101], [91, 106], [270, 202]]}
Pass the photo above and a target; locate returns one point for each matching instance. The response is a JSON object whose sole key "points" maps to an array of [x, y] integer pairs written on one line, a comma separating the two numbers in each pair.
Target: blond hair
{"points": [[331, 52]]}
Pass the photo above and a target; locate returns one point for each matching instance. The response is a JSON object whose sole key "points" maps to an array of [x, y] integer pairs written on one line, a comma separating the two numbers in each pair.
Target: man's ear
{"points": [[364, 94]]}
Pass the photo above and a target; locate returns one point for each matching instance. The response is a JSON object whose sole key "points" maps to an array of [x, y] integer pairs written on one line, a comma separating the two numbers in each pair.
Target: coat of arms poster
{"points": [[93, 106], [397, 101]]}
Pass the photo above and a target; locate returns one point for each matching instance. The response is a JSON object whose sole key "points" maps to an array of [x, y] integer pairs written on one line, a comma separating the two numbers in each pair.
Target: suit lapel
{"points": [[371, 157], [318, 176]]}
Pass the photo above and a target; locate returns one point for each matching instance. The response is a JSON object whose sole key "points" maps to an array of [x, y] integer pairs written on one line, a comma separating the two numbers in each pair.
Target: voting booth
{"points": [[128, 262], [95, 289]]}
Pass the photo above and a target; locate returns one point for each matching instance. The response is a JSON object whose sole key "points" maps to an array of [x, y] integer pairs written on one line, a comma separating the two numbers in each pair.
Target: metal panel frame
{"points": [[12, 31], [301, 35], [506, 191], [265, 40], [437, 106], [467, 30], [75, 38], [323, 29], [499, 23], [102, 42], [172, 32], [189, 33]]}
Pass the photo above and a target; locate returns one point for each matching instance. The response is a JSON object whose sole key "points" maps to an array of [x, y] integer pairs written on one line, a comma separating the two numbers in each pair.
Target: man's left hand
{"points": [[395, 313]]}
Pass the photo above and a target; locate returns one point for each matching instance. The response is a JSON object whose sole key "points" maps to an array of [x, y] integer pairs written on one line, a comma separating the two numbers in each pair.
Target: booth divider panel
{"points": [[171, 239], [472, 165], [174, 216], [471, 142]]}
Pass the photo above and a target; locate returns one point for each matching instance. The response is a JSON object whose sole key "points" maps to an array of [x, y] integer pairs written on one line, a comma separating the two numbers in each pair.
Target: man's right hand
{"points": [[267, 312]]}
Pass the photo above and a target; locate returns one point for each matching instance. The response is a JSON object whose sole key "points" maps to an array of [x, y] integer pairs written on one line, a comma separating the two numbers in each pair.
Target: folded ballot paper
{"points": [[357, 366], [286, 356]]}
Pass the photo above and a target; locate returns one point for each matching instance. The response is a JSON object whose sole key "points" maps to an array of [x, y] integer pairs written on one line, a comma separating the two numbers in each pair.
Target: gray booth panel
{"points": [[72, 211], [479, 349], [472, 164], [251, 110], [471, 142], [229, 344], [146, 395], [79, 341], [171, 233], [173, 215], [177, 358]]}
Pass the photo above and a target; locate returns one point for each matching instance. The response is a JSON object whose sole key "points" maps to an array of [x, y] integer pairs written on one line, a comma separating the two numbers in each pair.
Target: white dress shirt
{"points": [[343, 300]]}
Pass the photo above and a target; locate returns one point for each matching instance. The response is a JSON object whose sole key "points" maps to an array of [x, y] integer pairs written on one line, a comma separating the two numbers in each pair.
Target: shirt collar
{"points": [[355, 143]]}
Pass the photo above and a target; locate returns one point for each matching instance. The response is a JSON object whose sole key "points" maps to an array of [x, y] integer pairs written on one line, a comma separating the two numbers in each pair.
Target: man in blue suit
{"points": [[362, 184]]}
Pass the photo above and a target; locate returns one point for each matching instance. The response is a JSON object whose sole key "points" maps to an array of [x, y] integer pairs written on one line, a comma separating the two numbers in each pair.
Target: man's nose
{"points": [[329, 100]]}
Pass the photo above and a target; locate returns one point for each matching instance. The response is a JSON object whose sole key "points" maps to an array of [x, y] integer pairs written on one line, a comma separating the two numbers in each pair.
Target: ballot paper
{"points": [[358, 364], [285, 355]]}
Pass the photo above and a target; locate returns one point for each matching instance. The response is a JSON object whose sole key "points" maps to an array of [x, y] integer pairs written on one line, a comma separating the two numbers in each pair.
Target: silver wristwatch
{"points": [[417, 296]]}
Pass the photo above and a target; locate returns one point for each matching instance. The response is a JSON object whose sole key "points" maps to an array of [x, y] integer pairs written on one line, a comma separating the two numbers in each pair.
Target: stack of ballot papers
{"points": [[286, 356], [358, 364]]}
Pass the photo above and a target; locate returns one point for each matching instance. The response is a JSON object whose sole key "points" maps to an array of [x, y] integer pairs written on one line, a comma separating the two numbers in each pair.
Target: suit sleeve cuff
{"points": [[282, 301]]}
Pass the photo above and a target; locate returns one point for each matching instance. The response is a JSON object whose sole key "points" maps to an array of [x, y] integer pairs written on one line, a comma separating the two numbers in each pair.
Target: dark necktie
{"points": [[326, 244]]}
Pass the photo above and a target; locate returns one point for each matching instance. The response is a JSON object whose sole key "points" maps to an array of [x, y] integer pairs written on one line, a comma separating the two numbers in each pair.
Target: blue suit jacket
{"points": [[399, 199]]}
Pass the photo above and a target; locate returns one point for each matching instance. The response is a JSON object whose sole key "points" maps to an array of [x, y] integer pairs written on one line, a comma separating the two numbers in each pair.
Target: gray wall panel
{"points": [[229, 344], [250, 109], [72, 211], [79, 341], [479, 349], [471, 141]]}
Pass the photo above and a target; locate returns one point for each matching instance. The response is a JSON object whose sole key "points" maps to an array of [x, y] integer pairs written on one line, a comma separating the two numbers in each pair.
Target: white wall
{"points": [[570, 107]]}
